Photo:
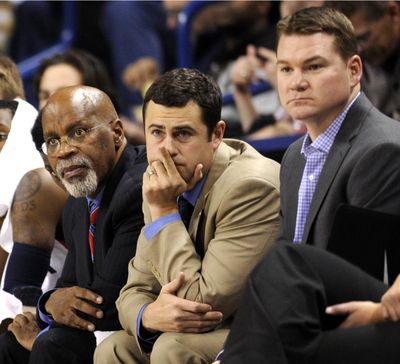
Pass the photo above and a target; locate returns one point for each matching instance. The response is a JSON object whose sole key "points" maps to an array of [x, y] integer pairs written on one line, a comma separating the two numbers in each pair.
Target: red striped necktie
{"points": [[93, 217]]}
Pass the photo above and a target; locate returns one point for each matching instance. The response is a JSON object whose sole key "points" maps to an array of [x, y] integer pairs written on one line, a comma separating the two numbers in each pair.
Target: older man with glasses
{"points": [[87, 150]]}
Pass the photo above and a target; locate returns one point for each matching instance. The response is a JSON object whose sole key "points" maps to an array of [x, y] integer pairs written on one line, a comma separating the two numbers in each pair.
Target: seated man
{"points": [[287, 316], [211, 211], [86, 148]]}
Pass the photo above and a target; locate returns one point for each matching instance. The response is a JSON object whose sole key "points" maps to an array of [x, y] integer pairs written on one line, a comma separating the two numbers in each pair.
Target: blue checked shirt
{"points": [[315, 153]]}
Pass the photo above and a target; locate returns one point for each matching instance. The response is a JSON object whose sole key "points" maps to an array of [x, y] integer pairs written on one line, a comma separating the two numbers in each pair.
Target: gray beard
{"points": [[78, 186]]}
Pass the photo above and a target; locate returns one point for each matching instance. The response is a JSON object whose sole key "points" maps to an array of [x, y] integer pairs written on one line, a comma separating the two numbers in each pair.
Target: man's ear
{"points": [[218, 134], [355, 68], [118, 133]]}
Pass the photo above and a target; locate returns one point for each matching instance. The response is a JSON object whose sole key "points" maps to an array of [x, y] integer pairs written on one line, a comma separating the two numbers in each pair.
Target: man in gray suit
{"points": [[350, 155]]}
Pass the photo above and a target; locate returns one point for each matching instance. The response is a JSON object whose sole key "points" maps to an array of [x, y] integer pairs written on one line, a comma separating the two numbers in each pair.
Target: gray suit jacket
{"points": [[362, 169], [239, 207]]}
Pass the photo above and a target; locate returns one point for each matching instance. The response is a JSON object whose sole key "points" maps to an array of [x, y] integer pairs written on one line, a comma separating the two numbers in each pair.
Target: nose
{"points": [[65, 149], [170, 145], [298, 81]]}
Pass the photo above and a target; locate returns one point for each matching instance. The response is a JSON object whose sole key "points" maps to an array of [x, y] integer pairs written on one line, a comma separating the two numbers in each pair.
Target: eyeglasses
{"points": [[74, 138]]}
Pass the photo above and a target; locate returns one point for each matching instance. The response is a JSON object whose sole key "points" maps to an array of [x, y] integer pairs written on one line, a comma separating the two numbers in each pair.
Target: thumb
{"points": [[251, 50], [174, 285], [197, 176]]}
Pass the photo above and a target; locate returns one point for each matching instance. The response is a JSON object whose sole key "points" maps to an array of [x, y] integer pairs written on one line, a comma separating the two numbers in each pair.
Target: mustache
{"points": [[73, 161]]}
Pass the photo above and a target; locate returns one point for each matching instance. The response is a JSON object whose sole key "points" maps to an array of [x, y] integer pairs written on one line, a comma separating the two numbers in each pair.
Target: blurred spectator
{"points": [[75, 67], [260, 64], [142, 47], [7, 22], [377, 27]]}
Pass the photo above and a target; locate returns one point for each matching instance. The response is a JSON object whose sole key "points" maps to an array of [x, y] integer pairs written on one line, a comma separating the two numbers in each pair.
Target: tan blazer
{"points": [[240, 204]]}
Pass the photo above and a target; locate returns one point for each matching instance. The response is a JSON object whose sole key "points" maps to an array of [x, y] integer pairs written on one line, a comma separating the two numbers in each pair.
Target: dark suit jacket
{"points": [[362, 169], [118, 226]]}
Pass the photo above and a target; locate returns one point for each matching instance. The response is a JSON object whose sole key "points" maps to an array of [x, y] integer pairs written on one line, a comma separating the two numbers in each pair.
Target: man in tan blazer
{"points": [[184, 284]]}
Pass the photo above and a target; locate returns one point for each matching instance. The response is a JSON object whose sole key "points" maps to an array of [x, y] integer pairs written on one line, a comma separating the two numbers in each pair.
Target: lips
{"points": [[299, 99], [73, 171]]}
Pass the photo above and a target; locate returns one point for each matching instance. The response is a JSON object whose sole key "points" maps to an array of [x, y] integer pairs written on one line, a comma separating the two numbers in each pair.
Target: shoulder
{"points": [[247, 166], [38, 183]]}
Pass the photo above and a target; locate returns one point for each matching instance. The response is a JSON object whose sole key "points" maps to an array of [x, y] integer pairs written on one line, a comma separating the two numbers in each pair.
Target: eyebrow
{"points": [[308, 60], [179, 127], [76, 123]]}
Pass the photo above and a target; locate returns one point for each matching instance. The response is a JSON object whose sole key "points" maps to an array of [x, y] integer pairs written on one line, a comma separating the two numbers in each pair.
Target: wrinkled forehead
{"points": [[60, 114]]}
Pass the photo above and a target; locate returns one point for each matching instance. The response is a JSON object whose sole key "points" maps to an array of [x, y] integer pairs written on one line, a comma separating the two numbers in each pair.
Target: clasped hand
{"points": [[169, 313]]}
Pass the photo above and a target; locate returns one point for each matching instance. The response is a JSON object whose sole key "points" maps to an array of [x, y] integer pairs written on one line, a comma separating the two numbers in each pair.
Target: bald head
{"points": [[83, 137], [84, 100]]}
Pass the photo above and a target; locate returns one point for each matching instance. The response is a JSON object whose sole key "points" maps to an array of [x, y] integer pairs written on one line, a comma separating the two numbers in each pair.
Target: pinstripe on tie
{"points": [[94, 209]]}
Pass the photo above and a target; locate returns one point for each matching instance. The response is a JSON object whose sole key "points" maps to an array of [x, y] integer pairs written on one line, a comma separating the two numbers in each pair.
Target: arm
{"points": [[120, 231], [245, 227], [242, 75], [34, 217]]}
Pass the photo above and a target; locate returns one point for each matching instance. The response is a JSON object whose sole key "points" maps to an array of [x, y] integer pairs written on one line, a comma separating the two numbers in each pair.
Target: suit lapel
{"points": [[110, 185], [349, 130], [220, 163], [80, 236]]}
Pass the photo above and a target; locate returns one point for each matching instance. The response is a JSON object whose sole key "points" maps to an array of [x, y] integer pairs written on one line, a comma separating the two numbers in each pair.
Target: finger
{"points": [[267, 53], [214, 316], [251, 50], [341, 308], [347, 323], [196, 177], [191, 306], [20, 320], [159, 169], [13, 326], [79, 323], [168, 162], [30, 316], [87, 308], [87, 295], [198, 326], [385, 313], [390, 302], [174, 285], [391, 312]]}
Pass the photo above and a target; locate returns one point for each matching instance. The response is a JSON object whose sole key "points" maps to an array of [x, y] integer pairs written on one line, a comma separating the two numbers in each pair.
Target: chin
{"points": [[81, 186]]}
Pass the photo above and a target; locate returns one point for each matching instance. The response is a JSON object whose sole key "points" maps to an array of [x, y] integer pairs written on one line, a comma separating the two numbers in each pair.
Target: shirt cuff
{"points": [[219, 355], [44, 318], [146, 338], [152, 229]]}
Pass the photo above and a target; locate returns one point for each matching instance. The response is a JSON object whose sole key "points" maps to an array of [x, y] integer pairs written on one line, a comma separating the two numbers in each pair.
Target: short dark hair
{"points": [[92, 70], [321, 20], [37, 132], [177, 87], [369, 10]]}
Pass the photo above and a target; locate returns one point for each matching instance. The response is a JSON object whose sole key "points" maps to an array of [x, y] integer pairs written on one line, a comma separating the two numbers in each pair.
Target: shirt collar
{"points": [[95, 201], [194, 193], [324, 141]]}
